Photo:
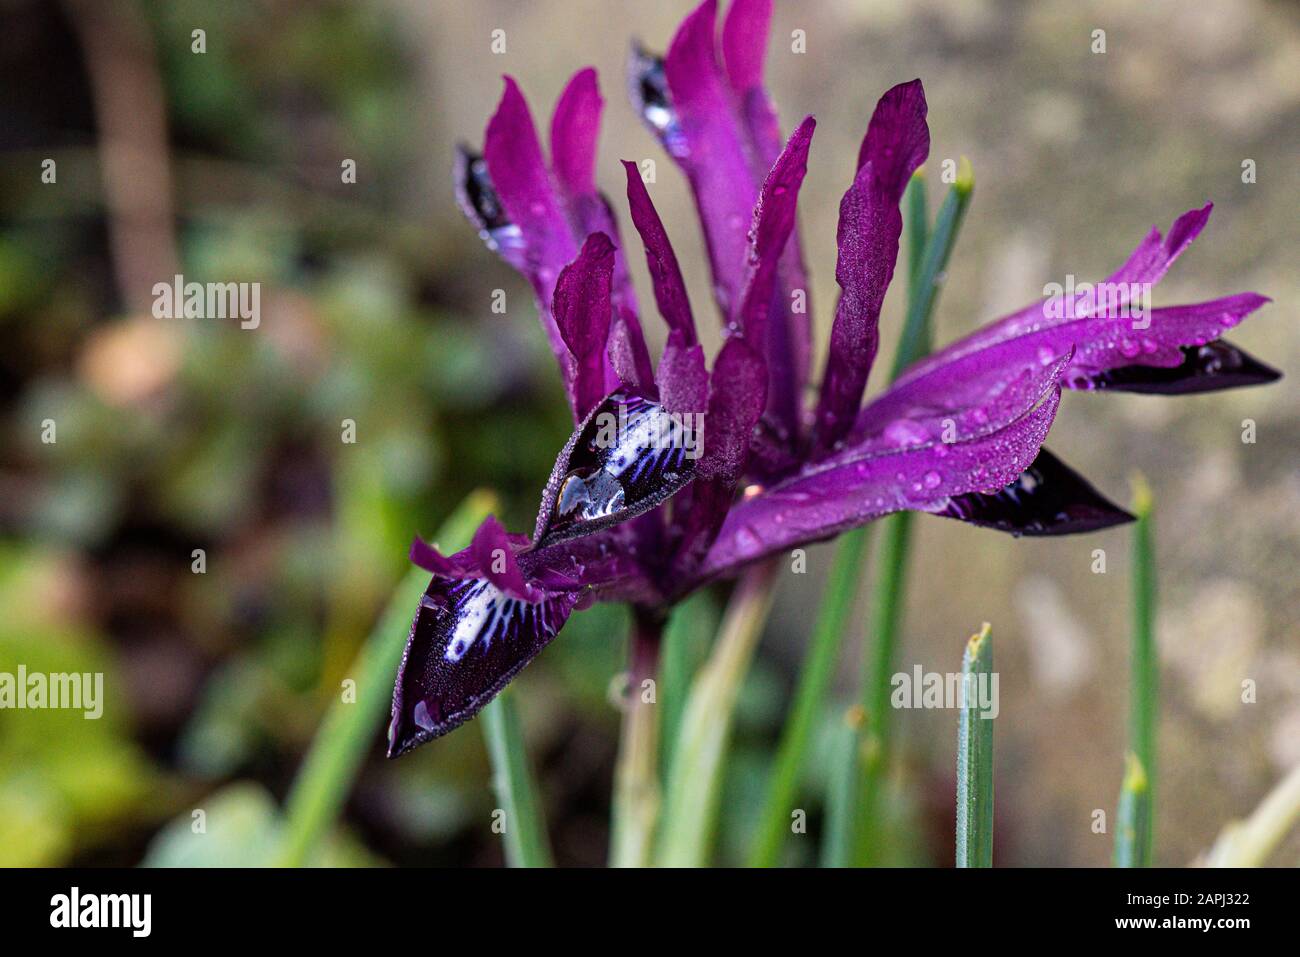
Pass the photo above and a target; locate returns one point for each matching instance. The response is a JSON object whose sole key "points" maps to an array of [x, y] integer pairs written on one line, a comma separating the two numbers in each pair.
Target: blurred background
{"points": [[175, 435]]}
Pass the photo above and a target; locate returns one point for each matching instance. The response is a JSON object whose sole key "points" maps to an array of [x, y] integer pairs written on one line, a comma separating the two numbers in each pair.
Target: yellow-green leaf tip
{"points": [[978, 639], [1135, 776], [1141, 495], [965, 176]]}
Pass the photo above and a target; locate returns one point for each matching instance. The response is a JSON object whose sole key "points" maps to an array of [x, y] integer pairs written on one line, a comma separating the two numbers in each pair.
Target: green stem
{"points": [[917, 227], [1144, 680], [695, 778], [327, 772], [975, 755], [931, 270], [691, 624], [524, 834], [814, 678], [1133, 819], [885, 620], [840, 836], [636, 775]]}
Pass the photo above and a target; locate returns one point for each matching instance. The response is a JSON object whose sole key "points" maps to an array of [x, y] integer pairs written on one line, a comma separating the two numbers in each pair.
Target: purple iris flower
{"points": [[677, 475]]}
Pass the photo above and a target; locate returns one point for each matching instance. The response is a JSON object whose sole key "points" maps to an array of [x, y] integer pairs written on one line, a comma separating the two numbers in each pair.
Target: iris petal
{"points": [[789, 347], [870, 224], [627, 457], [583, 309], [468, 639], [1147, 264], [1207, 368], [665, 274], [1048, 498], [851, 490]]}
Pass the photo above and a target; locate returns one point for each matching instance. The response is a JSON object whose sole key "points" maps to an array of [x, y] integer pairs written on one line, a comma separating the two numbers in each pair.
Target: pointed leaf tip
{"points": [[1141, 495], [965, 183], [977, 640]]}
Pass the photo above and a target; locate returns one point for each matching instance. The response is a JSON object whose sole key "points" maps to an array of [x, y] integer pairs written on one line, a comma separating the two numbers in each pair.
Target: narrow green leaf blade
{"points": [[975, 755], [694, 784], [1133, 820], [512, 780], [686, 640], [326, 774], [814, 678], [1137, 796], [840, 835]]}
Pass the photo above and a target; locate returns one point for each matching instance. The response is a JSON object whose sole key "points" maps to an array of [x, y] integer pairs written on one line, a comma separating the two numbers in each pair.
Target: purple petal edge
{"points": [[833, 497], [896, 143], [582, 309]]}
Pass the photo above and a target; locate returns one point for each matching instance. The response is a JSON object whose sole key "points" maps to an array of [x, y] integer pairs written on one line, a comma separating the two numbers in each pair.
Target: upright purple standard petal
{"points": [[523, 187], [896, 143], [575, 129], [744, 42], [789, 346], [774, 217], [628, 354], [582, 310], [665, 275], [682, 376], [736, 393], [897, 140], [722, 129], [711, 149]]}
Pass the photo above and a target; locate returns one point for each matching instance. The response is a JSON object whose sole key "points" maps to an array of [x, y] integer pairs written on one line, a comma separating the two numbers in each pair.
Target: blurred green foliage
{"points": [[176, 435], [65, 778]]}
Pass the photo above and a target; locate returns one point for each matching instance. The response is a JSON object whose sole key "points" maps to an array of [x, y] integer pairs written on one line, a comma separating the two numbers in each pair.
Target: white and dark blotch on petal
{"points": [[629, 456], [468, 639]]}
